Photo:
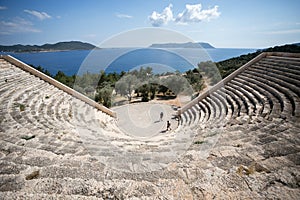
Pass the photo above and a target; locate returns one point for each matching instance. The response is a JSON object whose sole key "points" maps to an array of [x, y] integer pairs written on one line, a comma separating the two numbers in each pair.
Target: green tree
{"points": [[153, 89], [63, 78], [163, 89], [126, 85], [177, 84], [103, 95], [195, 79], [210, 70], [41, 69], [144, 89]]}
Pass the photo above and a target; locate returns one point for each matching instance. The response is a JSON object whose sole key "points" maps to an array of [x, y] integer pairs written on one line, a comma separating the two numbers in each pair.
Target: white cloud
{"points": [[191, 13], [158, 19], [18, 25], [3, 8], [195, 13], [39, 15], [119, 15]]}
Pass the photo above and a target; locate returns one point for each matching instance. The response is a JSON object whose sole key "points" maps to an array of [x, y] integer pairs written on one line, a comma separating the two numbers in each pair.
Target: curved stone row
{"points": [[268, 88], [82, 177], [40, 98], [33, 110]]}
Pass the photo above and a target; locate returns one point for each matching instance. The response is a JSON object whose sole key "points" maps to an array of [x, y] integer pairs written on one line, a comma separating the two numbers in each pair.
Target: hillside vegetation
{"points": [[60, 46], [226, 67]]}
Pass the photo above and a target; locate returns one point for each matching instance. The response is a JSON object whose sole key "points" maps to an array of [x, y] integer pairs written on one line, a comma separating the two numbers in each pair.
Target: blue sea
{"points": [[126, 59]]}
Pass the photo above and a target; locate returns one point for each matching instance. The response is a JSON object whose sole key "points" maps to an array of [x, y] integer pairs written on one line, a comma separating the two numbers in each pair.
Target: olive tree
{"points": [[177, 84], [103, 95], [126, 85]]}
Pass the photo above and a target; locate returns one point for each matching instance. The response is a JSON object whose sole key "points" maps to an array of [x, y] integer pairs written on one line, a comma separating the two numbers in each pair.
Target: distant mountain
{"points": [[298, 44], [183, 45], [60, 46]]}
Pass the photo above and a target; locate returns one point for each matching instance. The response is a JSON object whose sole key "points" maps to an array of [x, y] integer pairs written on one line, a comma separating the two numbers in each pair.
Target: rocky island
{"points": [[60, 46], [183, 45]]}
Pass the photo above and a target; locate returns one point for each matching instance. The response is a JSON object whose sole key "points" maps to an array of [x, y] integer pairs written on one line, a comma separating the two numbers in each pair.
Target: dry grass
{"points": [[244, 170]]}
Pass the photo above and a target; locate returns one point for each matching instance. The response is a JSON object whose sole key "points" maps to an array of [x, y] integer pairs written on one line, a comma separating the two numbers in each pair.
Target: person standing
{"points": [[161, 116], [168, 125]]}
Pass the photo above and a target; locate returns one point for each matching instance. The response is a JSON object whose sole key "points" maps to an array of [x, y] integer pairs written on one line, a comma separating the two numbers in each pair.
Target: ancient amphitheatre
{"points": [[239, 140]]}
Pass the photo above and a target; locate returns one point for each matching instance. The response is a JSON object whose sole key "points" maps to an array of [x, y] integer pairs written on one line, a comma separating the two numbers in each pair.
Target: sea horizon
{"points": [[125, 59]]}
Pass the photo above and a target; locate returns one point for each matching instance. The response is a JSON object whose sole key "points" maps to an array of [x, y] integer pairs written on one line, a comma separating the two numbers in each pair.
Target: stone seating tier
{"points": [[245, 141]]}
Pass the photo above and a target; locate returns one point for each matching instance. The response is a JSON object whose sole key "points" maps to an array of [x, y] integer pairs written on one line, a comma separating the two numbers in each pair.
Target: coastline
{"points": [[47, 51]]}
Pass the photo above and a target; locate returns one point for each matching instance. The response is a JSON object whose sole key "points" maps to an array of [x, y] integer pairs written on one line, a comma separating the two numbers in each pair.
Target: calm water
{"points": [[117, 60]]}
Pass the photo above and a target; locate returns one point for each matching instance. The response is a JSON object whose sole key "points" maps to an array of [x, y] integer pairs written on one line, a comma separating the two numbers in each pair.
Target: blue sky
{"points": [[223, 23]]}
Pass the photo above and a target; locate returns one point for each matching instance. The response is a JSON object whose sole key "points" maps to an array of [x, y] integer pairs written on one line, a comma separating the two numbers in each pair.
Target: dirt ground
{"points": [[179, 101]]}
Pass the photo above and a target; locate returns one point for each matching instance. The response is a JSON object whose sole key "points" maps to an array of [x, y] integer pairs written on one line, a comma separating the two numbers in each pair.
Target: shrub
{"points": [[199, 142], [26, 137], [21, 106]]}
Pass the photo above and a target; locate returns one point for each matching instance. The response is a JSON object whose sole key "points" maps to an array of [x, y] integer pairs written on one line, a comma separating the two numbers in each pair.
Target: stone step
{"points": [[39, 104], [13, 108], [257, 92], [212, 106], [190, 117], [64, 109], [205, 115], [286, 60], [51, 142], [231, 103], [278, 98], [227, 108], [208, 109], [198, 113], [15, 80], [220, 109], [25, 195], [285, 81], [282, 65], [240, 98], [66, 187], [31, 101], [285, 94], [251, 103], [269, 99], [9, 90], [255, 99], [195, 116], [184, 119], [293, 74]]}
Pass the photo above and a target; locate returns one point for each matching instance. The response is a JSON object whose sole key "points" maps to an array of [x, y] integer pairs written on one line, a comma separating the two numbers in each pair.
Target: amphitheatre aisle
{"points": [[238, 140]]}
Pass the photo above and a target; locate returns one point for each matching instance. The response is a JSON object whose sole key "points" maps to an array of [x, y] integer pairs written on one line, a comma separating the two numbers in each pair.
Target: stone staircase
{"points": [[239, 141]]}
